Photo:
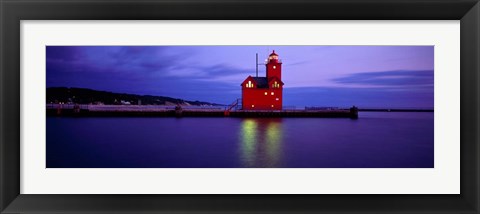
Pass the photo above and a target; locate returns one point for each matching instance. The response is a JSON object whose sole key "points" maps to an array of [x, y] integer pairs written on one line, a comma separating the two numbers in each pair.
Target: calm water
{"points": [[377, 139]]}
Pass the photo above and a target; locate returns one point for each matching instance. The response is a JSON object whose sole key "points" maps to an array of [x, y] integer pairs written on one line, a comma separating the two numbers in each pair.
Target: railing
{"points": [[289, 108], [235, 105], [320, 108]]}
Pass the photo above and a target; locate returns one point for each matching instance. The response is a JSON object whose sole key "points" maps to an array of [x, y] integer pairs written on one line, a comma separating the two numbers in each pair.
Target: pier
{"points": [[171, 111]]}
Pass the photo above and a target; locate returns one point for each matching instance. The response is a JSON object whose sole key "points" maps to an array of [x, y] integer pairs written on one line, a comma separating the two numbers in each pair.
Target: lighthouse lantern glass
{"points": [[273, 57]]}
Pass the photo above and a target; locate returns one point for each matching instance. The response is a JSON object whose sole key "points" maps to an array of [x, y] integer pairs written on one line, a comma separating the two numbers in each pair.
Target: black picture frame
{"points": [[13, 11]]}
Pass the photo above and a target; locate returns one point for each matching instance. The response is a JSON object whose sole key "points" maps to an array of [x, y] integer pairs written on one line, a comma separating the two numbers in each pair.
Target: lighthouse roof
{"points": [[273, 53], [262, 82]]}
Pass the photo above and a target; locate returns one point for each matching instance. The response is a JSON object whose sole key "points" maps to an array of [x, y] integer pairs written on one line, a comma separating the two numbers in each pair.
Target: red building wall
{"points": [[255, 98]]}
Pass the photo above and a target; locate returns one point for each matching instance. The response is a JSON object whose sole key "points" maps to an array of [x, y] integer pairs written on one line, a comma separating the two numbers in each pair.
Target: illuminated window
{"points": [[249, 84], [274, 67], [253, 106], [275, 85], [272, 93], [272, 106], [276, 99], [265, 93]]}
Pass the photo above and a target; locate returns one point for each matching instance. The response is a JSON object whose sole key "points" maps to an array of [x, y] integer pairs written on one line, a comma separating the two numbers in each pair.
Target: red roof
{"points": [[273, 53]]}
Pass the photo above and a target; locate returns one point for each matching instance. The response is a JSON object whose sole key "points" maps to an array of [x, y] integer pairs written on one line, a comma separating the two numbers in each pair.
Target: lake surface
{"points": [[376, 139]]}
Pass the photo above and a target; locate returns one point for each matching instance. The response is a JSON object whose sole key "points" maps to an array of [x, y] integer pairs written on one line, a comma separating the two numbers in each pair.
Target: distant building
{"points": [[264, 93]]}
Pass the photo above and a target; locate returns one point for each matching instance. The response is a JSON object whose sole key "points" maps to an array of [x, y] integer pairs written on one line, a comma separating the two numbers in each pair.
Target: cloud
{"points": [[127, 59], [398, 88], [362, 97], [207, 73], [390, 78], [296, 63]]}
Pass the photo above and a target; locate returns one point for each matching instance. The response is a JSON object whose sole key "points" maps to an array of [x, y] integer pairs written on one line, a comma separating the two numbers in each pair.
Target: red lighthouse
{"points": [[264, 93]]}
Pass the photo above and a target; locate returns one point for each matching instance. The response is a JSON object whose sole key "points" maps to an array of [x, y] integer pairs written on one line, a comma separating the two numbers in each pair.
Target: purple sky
{"points": [[366, 76]]}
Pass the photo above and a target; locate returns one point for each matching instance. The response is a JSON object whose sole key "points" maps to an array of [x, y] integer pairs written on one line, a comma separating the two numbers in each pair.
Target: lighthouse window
{"points": [[272, 106], [265, 93], [253, 106], [274, 67], [249, 84], [276, 99], [272, 93], [275, 85]]}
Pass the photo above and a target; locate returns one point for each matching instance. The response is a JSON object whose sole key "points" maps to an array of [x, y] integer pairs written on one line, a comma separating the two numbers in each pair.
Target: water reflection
{"points": [[261, 142]]}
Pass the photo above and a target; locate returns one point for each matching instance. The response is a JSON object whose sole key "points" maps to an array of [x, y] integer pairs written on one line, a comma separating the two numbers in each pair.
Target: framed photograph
{"points": [[239, 106]]}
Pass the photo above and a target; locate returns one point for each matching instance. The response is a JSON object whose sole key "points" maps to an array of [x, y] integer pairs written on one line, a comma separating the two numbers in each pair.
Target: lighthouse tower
{"points": [[274, 66], [264, 93]]}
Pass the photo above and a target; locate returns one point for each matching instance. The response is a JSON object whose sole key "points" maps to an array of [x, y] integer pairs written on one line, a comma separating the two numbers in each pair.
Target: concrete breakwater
{"points": [[79, 111]]}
